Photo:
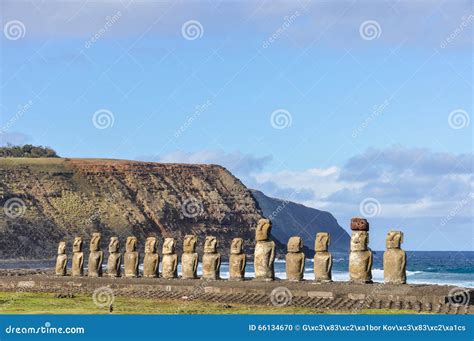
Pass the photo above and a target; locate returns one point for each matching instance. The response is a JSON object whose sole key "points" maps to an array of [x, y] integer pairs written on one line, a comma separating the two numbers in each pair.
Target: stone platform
{"points": [[335, 296]]}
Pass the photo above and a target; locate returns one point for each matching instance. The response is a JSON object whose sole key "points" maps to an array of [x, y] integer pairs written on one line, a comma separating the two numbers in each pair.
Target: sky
{"points": [[353, 107]]}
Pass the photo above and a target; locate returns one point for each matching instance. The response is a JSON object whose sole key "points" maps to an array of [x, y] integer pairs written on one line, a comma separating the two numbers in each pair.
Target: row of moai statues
{"points": [[360, 258]]}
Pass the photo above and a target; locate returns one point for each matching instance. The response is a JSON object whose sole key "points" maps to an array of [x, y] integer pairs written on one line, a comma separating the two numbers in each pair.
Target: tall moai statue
{"points": [[394, 259], [77, 258], [360, 258], [96, 256], [211, 260], [115, 258], [61, 260], [170, 259], [264, 255], [295, 259], [322, 257], [131, 257], [189, 258], [152, 258], [237, 260]]}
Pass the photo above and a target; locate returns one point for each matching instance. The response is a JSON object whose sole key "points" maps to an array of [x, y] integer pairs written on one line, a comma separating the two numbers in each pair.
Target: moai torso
{"points": [[115, 258], [237, 260], [360, 258], [394, 259], [294, 259], [189, 258], [131, 257], [322, 258], [61, 260], [170, 259], [77, 258], [96, 257], [152, 259], [264, 256], [211, 260]]}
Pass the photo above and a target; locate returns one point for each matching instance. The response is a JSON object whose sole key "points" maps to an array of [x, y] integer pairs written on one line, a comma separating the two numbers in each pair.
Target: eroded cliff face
{"points": [[68, 197]]}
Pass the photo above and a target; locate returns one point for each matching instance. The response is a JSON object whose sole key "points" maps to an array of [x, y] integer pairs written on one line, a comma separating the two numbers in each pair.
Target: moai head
{"points": [[394, 239], [168, 246], [150, 245], [359, 224], [323, 239], [236, 246], [359, 241], [189, 244], [62, 248], [95, 242], [113, 245], [210, 245], [264, 227], [77, 245], [131, 244], [295, 244]]}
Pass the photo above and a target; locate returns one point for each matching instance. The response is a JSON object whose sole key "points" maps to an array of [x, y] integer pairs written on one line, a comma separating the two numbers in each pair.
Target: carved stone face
{"points": [[168, 246], [359, 241], [131, 244], [77, 245], [295, 244], [394, 239], [359, 224], [62, 248], [264, 227], [236, 246], [150, 245], [114, 245], [323, 239], [189, 244], [210, 246], [95, 242]]}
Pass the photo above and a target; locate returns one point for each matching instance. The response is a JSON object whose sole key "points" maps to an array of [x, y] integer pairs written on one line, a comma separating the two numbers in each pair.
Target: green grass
{"points": [[44, 303]]}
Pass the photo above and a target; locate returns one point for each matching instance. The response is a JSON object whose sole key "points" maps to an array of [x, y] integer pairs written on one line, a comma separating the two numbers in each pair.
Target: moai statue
{"points": [[295, 259], [394, 259], [152, 258], [131, 257], [211, 260], [61, 260], [360, 258], [189, 258], [96, 256], [322, 258], [170, 259], [115, 258], [264, 251], [237, 260], [77, 258]]}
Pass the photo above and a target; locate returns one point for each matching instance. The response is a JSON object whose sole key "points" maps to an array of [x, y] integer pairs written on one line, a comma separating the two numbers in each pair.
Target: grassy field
{"points": [[43, 303]]}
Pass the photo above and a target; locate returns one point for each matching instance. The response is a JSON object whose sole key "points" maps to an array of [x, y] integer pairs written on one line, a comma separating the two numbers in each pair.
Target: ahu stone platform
{"points": [[333, 296]]}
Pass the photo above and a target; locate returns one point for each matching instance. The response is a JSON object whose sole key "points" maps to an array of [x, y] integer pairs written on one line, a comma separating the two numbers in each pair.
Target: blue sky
{"points": [[337, 105]]}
